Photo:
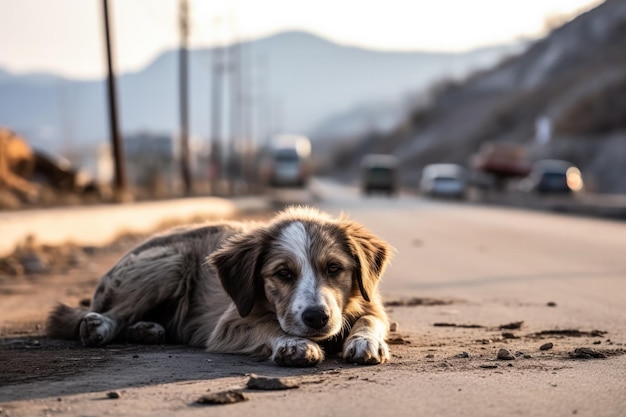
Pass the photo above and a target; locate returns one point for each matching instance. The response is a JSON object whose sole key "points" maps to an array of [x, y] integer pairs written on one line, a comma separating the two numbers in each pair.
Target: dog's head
{"points": [[304, 266]]}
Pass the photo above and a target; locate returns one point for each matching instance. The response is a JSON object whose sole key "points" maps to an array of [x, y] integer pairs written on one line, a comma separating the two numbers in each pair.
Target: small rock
{"points": [[551, 304], [270, 384], [527, 356], [89, 250], [114, 395], [33, 264], [463, 355], [397, 340], [597, 342], [505, 355], [489, 366], [586, 353], [225, 397], [393, 327], [546, 346], [430, 356], [516, 325]]}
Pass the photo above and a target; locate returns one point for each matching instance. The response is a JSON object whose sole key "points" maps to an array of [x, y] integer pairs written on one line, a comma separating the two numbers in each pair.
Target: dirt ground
{"points": [[433, 341]]}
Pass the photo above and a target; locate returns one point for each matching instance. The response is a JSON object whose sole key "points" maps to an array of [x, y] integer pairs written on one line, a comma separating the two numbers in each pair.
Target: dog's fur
{"points": [[293, 289]]}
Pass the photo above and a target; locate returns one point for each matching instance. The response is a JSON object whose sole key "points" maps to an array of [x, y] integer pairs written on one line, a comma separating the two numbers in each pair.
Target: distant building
{"points": [[151, 162]]}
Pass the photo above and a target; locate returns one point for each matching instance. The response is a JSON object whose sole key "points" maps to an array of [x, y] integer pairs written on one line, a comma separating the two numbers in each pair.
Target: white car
{"points": [[444, 180]]}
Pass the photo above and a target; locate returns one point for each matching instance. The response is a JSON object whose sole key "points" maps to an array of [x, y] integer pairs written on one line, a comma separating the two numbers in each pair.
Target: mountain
{"points": [[575, 78], [299, 82]]}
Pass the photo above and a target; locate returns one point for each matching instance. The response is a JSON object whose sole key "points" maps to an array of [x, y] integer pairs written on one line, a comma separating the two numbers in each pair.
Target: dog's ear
{"points": [[237, 264], [372, 255]]}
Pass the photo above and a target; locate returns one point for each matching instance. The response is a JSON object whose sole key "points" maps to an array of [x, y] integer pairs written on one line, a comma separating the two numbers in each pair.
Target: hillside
{"points": [[576, 77], [299, 81]]}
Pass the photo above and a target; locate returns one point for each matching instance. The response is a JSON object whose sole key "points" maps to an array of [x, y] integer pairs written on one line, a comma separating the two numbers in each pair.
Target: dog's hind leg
{"points": [[98, 330], [145, 332], [142, 295]]}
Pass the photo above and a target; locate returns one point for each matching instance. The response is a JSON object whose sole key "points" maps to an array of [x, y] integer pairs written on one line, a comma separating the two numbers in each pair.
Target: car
{"points": [[550, 176], [288, 161], [379, 173], [444, 180]]}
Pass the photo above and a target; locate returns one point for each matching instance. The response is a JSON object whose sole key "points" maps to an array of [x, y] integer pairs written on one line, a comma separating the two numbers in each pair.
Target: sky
{"points": [[66, 37]]}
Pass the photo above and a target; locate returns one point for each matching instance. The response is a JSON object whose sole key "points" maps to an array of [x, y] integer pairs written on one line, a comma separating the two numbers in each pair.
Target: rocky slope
{"points": [[575, 77]]}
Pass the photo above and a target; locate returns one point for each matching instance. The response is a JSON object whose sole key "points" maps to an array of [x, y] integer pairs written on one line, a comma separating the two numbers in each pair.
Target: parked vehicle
{"points": [[444, 180], [287, 162], [553, 176], [379, 173], [502, 161]]}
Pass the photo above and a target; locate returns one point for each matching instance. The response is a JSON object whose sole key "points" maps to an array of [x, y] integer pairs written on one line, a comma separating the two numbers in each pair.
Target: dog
{"points": [[294, 289]]}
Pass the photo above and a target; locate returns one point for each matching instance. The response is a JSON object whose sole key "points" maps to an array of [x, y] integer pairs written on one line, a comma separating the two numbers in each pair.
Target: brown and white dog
{"points": [[294, 289]]}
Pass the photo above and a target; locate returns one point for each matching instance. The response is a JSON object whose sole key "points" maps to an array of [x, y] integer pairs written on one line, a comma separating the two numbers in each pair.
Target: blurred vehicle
{"points": [[503, 161], [379, 173], [553, 176], [444, 180], [287, 162]]}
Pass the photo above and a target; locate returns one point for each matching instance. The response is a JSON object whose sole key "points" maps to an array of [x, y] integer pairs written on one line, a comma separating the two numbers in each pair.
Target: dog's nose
{"points": [[315, 317]]}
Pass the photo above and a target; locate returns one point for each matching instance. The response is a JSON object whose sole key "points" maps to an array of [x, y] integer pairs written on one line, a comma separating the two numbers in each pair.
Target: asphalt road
{"points": [[470, 250], [469, 267]]}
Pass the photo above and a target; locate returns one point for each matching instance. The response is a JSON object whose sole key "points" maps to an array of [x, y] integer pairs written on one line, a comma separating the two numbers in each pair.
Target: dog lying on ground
{"points": [[294, 289]]}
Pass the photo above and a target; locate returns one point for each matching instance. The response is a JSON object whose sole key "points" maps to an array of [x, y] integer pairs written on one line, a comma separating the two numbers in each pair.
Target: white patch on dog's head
{"points": [[295, 239]]}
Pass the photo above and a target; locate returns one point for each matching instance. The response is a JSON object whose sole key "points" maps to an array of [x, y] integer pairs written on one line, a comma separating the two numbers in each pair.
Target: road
{"points": [[453, 249], [470, 267]]}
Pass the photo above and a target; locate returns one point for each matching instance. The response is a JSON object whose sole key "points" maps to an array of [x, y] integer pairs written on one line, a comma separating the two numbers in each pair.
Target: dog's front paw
{"points": [[96, 330], [295, 351], [365, 350]]}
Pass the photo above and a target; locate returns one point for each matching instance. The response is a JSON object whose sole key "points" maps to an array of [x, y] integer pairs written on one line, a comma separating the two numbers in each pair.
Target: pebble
{"points": [[225, 397], [463, 355], [505, 355], [546, 346], [393, 327], [551, 304], [270, 384], [586, 353], [114, 395], [33, 264]]}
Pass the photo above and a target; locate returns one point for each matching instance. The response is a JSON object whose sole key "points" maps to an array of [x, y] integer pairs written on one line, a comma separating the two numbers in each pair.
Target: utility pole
{"points": [[184, 97], [235, 110], [118, 151], [216, 113]]}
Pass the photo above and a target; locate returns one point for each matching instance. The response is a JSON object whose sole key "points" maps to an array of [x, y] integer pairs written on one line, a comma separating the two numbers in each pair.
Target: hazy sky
{"points": [[66, 36]]}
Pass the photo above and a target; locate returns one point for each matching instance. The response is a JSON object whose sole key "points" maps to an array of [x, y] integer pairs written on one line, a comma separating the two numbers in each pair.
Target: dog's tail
{"points": [[64, 322]]}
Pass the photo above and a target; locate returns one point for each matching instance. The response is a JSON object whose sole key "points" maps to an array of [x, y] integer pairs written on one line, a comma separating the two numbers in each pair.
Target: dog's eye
{"points": [[284, 274], [333, 269]]}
